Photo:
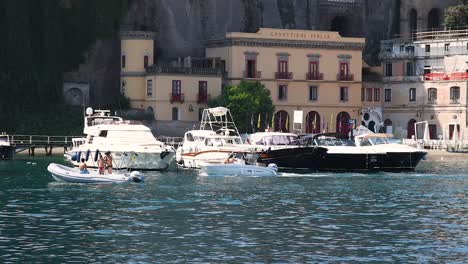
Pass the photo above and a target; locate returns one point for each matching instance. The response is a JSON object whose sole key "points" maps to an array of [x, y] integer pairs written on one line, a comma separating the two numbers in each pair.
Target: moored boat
{"points": [[6, 149], [398, 157], [111, 133], [66, 174], [213, 143], [285, 150], [343, 155]]}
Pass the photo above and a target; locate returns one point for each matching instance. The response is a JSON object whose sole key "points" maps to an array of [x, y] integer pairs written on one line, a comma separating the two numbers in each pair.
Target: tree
{"points": [[250, 104], [456, 16]]}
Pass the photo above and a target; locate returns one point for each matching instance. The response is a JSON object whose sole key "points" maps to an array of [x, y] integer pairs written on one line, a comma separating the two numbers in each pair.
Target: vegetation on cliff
{"points": [[250, 104], [40, 41], [456, 16]]}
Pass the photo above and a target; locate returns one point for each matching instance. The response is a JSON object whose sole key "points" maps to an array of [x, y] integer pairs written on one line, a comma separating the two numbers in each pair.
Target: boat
{"points": [[63, 173], [238, 167], [213, 143], [6, 149], [398, 157], [343, 154], [111, 133], [286, 151]]}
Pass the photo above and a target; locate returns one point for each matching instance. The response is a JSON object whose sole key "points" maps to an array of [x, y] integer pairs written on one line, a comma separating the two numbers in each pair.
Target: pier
{"points": [[31, 143]]}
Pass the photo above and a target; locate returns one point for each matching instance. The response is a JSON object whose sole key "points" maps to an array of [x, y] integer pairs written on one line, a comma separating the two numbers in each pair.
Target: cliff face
{"points": [[183, 25]]}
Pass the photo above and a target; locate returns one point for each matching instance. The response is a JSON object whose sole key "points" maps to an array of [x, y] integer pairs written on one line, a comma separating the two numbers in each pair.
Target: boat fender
{"points": [[136, 176], [78, 156], [74, 156], [96, 155], [273, 166], [87, 154]]}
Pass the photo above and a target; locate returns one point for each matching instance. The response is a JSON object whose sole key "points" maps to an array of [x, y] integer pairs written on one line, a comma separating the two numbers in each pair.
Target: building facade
{"points": [[425, 79], [316, 72], [177, 91]]}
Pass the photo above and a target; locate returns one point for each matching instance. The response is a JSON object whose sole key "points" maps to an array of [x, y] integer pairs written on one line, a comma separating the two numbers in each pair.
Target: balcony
{"points": [[176, 98], [314, 76], [202, 98], [283, 75], [252, 75], [345, 77]]}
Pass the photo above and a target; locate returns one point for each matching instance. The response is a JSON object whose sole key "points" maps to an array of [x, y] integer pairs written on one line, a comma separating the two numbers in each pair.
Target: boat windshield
{"points": [[277, 140], [382, 140], [222, 141], [334, 142]]}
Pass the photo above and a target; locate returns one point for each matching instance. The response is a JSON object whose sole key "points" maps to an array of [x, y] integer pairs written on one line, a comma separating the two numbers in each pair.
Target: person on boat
{"points": [[83, 167], [230, 159], [101, 164], [108, 162]]}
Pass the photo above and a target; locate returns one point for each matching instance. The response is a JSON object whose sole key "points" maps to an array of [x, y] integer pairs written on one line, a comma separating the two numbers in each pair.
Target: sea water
{"points": [[181, 217]]}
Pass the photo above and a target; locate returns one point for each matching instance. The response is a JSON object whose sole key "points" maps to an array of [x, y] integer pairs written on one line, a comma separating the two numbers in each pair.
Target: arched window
{"points": [[433, 19], [175, 113], [388, 126], [313, 122], [410, 128], [432, 95], [454, 95], [342, 125], [342, 25], [413, 21], [281, 121]]}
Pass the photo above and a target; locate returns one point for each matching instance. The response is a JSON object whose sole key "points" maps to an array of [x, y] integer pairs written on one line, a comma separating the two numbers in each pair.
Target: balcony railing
{"points": [[202, 98], [310, 76], [252, 75], [283, 75], [184, 70], [176, 97], [345, 77]]}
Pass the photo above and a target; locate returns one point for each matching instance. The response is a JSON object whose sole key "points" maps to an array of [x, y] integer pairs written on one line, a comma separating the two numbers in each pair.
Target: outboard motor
{"points": [[273, 166], [136, 176]]}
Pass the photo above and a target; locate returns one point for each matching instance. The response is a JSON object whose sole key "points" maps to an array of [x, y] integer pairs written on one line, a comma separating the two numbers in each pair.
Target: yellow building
{"points": [[317, 72], [173, 92]]}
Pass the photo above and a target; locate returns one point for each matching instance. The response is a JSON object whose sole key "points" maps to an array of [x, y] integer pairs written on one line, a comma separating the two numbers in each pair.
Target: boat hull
{"points": [[402, 161], [237, 170], [363, 162], [294, 158], [6, 152], [66, 174]]}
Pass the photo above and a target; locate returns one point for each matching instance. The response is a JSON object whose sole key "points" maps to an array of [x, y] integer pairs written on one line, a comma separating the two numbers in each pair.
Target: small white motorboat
{"points": [[237, 169], [66, 174]]}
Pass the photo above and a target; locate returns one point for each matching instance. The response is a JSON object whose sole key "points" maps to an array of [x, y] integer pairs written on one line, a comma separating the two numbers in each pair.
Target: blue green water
{"points": [[179, 217]]}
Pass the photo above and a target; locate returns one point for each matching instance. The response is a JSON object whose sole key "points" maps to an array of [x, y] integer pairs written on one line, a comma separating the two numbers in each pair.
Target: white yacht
{"points": [[122, 138], [398, 156], [213, 143], [6, 149]]}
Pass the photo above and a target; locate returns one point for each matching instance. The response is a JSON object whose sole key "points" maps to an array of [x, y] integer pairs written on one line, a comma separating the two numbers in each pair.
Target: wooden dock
{"points": [[30, 143]]}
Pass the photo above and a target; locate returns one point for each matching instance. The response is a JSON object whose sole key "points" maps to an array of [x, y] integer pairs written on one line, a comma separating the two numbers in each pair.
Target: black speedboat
{"points": [[398, 157], [343, 155]]}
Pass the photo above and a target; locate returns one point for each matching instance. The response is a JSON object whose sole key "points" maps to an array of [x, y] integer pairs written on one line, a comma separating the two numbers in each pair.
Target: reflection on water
{"points": [[181, 217]]}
